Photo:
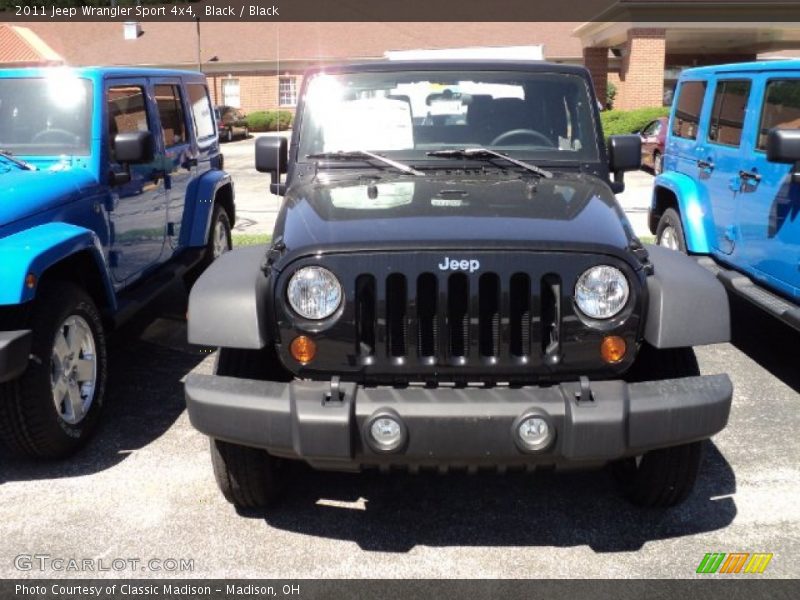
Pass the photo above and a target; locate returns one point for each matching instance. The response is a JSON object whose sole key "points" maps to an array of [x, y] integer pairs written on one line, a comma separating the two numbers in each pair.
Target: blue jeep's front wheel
{"points": [[54, 407], [669, 232]]}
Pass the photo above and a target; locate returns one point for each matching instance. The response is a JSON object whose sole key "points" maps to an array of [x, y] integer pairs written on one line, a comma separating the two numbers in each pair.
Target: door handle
{"points": [[750, 176], [705, 165]]}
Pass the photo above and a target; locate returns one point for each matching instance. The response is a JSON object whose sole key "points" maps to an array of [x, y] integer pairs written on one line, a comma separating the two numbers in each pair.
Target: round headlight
{"points": [[314, 293], [601, 292]]}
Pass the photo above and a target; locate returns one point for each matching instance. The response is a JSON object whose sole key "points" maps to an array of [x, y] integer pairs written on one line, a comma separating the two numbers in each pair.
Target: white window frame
{"points": [[229, 96], [290, 81]]}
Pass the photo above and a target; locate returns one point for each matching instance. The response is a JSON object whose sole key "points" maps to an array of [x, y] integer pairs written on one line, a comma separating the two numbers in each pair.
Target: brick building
{"points": [[258, 65]]}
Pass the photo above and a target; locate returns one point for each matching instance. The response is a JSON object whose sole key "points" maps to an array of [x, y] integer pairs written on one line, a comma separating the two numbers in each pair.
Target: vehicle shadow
{"points": [[148, 359], [395, 513], [766, 340]]}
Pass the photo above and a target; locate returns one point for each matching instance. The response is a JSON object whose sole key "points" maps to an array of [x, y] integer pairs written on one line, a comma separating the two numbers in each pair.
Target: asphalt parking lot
{"points": [[143, 488]]}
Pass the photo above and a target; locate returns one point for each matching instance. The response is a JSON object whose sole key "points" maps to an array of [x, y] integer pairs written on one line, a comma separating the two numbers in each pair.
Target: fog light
{"points": [[534, 433], [386, 432], [613, 349], [303, 349]]}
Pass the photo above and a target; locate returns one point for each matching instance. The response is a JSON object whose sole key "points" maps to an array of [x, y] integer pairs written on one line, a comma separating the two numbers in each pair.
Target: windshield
{"points": [[405, 114], [45, 116]]}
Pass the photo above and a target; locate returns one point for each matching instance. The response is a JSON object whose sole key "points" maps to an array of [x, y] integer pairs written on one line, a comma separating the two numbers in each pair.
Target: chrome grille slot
{"points": [[551, 318], [396, 306], [520, 315], [489, 314], [427, 323], [458, 301], [365, 315]]}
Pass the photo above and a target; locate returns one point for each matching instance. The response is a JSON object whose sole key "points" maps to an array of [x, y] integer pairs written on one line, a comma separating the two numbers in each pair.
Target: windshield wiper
{"points": [[363, 154], [20, 163], [486, 154]]}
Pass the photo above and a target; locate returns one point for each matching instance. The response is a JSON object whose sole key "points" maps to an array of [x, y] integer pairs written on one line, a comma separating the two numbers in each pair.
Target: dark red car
{"points": [[653, 135], [231, 122]]}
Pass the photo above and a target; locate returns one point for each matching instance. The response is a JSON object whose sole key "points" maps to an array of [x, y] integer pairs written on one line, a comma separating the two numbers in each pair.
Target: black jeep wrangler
{"points": [[451, 283]]}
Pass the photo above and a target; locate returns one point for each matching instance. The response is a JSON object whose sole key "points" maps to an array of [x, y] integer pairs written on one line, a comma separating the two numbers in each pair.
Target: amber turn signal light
{"points": [[30, 281], [613, 349], [303, 349]]}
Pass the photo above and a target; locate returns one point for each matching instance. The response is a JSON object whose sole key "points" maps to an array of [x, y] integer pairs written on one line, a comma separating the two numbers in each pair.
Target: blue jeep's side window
{"points": [[170, 111], [781, 108], [201, 110], [127, 111], [727, 114], [687, 112]]}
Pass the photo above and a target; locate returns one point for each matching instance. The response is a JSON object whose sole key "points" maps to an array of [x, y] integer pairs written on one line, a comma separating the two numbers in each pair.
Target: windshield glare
{"points": [[540, 116], [45, 116]]}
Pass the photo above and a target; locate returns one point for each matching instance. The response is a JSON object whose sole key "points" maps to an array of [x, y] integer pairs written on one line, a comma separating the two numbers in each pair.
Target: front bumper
{"points": [[458, 427], [15, 348]]}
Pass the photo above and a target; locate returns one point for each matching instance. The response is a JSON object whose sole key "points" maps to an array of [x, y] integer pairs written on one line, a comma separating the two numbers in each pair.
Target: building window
{"points": [[287, 91], [231, 95]]}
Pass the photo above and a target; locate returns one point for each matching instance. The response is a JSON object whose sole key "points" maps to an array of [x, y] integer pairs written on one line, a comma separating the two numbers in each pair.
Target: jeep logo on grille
{"points": [[453, 264]]}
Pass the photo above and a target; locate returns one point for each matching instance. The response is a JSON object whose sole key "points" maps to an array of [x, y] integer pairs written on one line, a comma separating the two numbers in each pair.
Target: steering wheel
{"points": [[55, 136], [530, 133]]}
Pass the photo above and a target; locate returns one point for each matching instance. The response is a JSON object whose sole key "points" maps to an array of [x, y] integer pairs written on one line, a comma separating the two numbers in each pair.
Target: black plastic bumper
{"points": [[458, 427], [15, 348]]}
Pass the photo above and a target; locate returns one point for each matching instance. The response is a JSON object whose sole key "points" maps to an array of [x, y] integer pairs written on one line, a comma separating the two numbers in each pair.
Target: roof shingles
{"points": [[175, 43], [19, 46]]}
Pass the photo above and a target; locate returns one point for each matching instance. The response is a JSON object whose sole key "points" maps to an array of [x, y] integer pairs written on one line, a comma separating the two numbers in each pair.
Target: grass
{"points": [[251, 239], [647, 239]]}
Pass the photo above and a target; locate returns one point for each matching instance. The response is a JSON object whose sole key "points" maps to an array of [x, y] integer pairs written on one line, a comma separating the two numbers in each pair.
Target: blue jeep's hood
{"points": [[24, 193]]}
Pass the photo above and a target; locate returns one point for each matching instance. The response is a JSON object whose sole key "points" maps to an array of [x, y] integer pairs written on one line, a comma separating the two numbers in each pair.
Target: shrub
{"points": [[611, 94], [628, 121], [269, 120]]}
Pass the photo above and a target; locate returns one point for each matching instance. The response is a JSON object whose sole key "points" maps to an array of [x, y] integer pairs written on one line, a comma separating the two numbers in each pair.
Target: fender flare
{"points": [[229, 303], [687, 305], [693, 206], [199, 209], [35, 250]]}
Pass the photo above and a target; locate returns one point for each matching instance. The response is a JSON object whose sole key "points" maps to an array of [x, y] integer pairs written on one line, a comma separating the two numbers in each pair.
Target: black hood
{"points": [[480, 209]]}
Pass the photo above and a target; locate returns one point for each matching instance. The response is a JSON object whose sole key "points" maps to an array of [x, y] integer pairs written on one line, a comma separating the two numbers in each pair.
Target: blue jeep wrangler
{"points": [[731, 186], [112, 186]]}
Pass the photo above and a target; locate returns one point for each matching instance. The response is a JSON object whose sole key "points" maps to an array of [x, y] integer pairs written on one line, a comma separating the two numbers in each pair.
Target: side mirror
{"points": [[624, 154], [134, 147], [272, 156], [783, 146]]}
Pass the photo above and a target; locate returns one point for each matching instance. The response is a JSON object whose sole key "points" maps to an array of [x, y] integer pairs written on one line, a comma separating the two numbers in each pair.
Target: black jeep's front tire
{"points": [[54, 407], [249, 478], [664, 477]]}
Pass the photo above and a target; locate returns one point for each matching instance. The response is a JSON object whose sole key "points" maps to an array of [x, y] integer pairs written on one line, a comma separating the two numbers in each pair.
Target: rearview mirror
{"points": [[134, 147], [624, 154], [272, 155]]}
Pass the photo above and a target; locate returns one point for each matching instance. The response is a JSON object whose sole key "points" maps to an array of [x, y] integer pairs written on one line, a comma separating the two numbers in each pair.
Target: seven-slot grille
{"points": [[458, 319]]}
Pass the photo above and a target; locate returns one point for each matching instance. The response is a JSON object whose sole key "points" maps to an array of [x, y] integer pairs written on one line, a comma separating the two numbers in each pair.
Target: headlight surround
{"points": [[314, 293], [602, 292]]}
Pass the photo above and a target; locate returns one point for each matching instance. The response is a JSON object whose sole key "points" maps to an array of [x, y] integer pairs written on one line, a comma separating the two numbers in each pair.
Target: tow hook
{"points": [[585, 393], [335, 394]]}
